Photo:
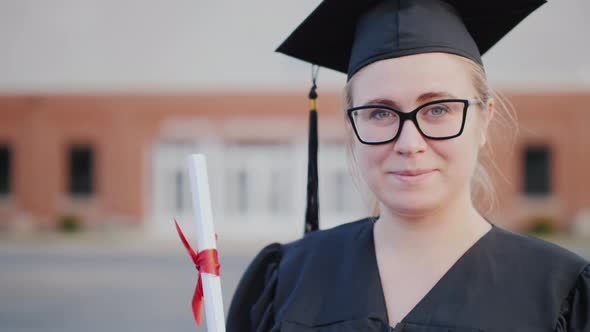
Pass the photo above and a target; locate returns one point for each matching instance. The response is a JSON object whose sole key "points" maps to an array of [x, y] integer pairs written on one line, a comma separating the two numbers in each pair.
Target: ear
{"points": [[487, 115]]}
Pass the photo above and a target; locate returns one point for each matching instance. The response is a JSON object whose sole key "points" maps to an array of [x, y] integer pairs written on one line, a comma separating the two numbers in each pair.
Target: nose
{"points": [[409, 141]]}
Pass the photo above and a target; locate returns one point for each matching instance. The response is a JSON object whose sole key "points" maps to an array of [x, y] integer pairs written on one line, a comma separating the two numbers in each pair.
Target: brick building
{"points": [[100, 101], [120, 159]]}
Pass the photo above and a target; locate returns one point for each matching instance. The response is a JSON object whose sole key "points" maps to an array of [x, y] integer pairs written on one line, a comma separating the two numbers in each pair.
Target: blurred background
{"points": [[102, 101]]}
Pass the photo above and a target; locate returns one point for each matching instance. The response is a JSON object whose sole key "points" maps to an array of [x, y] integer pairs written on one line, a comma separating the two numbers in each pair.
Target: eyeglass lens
{"points": [[437, 120]]}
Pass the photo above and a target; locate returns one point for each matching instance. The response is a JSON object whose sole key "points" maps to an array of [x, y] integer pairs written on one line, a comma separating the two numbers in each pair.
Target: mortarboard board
{"points": [[346, 35]]}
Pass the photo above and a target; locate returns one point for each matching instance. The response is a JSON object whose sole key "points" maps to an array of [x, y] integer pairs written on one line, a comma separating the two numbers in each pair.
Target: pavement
{"points": [[80, 284], [115, 283]]}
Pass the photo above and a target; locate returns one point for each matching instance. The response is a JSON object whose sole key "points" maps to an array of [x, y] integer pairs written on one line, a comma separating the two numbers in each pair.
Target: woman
{"points": [[418, 106]]}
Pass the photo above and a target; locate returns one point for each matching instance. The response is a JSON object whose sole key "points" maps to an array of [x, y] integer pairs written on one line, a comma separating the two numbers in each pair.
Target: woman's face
{"points": [[406, 83]]}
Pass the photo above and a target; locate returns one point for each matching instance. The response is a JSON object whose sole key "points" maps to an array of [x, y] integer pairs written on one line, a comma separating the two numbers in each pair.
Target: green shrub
{"points": [[541, 226], [69, 224]]}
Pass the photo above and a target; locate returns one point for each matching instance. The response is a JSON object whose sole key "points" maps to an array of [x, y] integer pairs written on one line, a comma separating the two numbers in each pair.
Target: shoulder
{"points": [[530, 266], [539, 254], [314, 248], [315, 269], [322, 245], [342, 232]]}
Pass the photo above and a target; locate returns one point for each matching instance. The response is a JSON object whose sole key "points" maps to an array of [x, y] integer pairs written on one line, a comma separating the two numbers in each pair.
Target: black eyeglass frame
{"points": [[412, 117]]}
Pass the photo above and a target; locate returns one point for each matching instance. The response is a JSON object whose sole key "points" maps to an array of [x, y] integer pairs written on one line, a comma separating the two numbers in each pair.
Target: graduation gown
{"points": [[329, 281]]}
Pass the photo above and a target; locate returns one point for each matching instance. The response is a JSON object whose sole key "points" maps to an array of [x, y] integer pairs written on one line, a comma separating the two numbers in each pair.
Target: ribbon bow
{"points": [[205, 261]]}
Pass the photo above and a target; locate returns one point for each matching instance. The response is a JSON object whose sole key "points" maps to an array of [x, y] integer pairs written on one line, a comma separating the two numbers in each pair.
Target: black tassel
{"points": [[312, 209]]}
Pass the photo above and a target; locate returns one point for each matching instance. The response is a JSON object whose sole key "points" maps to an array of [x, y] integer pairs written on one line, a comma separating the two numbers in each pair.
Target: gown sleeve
{"points": [[575, 311], [252, 306]]}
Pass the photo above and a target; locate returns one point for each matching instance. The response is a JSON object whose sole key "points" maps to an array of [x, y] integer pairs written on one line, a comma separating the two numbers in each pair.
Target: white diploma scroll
{"points": [[201, 199]]}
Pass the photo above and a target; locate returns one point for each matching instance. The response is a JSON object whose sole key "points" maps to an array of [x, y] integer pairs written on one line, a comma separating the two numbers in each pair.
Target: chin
{"points": [[411, 205]]}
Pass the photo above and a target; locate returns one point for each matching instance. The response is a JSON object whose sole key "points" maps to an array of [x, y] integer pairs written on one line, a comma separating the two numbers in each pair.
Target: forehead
{"points": [[404, 79]]}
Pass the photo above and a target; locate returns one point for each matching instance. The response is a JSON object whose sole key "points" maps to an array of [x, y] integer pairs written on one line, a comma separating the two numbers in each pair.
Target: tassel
{"points": [[312, 209]]}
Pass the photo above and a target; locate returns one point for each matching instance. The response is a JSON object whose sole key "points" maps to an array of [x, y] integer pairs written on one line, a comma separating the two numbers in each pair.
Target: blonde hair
{"points": [[483, 191]]}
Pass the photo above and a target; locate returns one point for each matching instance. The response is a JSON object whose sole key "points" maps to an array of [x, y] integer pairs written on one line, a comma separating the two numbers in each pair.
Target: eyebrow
{"points": [[427, 96]]}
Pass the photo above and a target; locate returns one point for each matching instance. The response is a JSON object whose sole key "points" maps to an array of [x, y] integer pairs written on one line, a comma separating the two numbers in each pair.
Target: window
{"points": [[258, 180], [179, 191], [339, 196], [81, 168], [5, 169], [243, 192], [342, 187], [537, 170], [278, 184], [171, 195]]}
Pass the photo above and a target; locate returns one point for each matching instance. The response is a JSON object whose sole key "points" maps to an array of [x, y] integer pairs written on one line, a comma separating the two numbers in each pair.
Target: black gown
{"points": [[329, 281]]}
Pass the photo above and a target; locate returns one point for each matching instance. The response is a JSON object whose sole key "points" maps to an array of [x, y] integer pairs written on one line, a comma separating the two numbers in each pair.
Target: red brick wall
{"points": [[121, 128]]}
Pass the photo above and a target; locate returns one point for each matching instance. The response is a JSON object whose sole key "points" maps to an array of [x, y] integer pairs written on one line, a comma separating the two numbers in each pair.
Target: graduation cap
{"points": [[346, 35]]}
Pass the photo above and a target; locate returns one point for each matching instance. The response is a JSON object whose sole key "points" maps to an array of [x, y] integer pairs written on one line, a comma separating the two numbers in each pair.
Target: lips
{"points": [[414, 176], [413, 172]]}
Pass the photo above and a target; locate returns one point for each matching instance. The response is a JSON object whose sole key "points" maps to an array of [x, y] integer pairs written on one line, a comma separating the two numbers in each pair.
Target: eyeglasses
{"points": [[437, 119]]}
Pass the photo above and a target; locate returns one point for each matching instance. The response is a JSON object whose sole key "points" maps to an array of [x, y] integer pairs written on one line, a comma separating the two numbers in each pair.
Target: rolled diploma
{"points": [[201, 198]]}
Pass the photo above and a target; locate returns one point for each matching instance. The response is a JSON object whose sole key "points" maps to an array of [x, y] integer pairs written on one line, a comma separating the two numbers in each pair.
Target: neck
{"points": [[457, 222]]}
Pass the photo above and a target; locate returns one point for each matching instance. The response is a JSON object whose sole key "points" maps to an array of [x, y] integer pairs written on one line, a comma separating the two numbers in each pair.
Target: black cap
{"points": [[346, 35]]}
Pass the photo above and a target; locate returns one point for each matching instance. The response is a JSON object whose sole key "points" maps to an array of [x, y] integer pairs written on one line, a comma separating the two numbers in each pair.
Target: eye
{"points": [[437, 111], [381, 114]]}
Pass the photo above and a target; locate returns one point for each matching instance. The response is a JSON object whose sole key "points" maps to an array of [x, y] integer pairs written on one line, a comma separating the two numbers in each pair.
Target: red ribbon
{"points": [[206, 261]]}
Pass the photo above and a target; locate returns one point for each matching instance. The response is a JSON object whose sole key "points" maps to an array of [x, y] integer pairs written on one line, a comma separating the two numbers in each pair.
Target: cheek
{"points": [[370, 158], [459, 155]]}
